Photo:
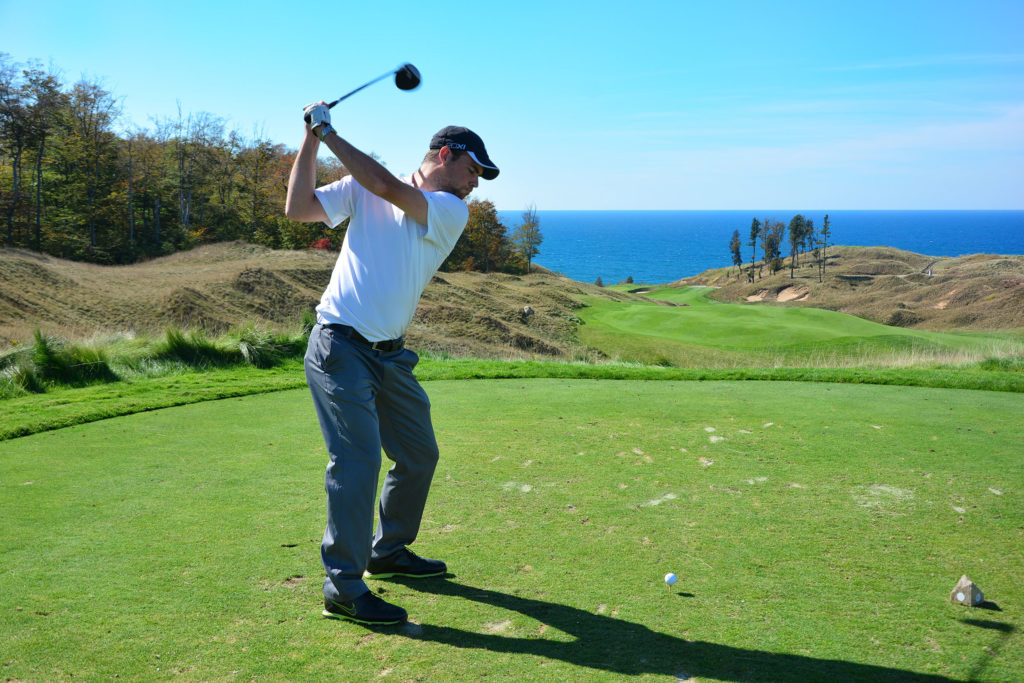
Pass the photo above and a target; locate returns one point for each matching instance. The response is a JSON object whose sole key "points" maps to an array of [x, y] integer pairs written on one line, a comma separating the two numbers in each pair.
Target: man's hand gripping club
{"points": [[317, 115], [364, 169]]}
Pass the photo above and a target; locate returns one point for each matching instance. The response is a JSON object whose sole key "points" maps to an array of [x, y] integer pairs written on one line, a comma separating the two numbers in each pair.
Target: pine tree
{"points": [[734, 247], [826, 232], [755, 231], [797, 230]]}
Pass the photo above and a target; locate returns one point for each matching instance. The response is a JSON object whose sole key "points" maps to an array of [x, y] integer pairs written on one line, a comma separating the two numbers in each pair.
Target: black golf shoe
{"points": [[404, 563], [366, 609]]}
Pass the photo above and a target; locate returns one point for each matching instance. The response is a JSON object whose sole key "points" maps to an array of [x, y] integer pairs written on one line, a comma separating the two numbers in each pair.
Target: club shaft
{"points": [[364, 85]]}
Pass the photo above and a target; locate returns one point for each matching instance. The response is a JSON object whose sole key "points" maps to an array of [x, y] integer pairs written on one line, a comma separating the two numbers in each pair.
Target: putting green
{"points": [[816, 529]]}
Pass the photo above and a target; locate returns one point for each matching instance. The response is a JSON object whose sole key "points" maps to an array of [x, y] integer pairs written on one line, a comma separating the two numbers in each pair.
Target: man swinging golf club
{"points": [[357, 367]]}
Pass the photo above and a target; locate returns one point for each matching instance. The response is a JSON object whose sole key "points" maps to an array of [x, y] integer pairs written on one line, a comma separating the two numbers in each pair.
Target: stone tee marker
{"points": [[966, 593]]}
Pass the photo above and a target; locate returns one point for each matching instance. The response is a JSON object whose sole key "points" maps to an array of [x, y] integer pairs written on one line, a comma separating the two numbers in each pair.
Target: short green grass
{"points": [[701, 332], [817, 531]]}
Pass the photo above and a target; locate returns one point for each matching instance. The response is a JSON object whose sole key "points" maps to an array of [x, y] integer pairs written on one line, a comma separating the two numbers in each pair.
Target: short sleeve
{"points": [[446, 218], [338, 200]]}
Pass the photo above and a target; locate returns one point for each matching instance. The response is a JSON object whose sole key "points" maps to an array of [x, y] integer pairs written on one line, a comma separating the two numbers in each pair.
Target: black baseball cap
{"points": [[462, 139]]}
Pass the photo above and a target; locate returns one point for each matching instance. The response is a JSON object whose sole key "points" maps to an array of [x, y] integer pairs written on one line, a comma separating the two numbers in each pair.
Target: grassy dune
{"points": [[700, 332]]}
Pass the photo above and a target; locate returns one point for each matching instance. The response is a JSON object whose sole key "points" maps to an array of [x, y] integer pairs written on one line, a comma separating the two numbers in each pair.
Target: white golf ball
{"points": [[670, 578]]}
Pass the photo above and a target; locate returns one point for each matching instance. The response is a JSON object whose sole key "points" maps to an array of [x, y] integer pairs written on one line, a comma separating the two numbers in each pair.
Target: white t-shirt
{"points": [[387, 258]]}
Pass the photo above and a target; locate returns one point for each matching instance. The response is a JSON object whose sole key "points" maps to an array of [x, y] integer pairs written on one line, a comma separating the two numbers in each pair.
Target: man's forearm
{"points": [[366, 170], [301, 203]]}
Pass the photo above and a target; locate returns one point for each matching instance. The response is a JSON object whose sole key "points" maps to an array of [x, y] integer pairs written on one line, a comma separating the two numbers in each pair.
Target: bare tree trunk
{"points": [[16, 167], [92, 208], [156, 220], [131, 202], [39, 193]]}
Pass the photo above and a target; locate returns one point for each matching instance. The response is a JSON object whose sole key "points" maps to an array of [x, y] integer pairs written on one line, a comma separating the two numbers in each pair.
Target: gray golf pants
{"points": [[366, 400]]}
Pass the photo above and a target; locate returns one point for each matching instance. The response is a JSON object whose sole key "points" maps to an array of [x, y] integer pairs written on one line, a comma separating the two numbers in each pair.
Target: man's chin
{"points": [[461, 194]]}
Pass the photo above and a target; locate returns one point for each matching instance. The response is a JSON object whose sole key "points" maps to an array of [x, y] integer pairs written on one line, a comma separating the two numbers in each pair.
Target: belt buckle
{"points": [[387, 346]]}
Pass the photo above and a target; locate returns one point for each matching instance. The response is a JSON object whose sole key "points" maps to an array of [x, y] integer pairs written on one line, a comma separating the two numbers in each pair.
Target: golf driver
{"points": [[407, 77]]}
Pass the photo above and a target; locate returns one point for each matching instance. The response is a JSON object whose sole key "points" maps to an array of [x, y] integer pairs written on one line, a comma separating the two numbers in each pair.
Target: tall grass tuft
{"points": [[194, 350], [17, 376], [69, 364], [50, 361], [308, 321], [259, 348]]}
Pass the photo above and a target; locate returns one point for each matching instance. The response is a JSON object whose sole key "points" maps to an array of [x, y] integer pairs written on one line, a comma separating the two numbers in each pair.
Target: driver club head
{"points": [[407, 77]]}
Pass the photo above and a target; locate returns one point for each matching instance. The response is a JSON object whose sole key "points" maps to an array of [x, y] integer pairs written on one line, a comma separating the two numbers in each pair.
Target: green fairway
{"points": [[817, 531], [699, 332]]}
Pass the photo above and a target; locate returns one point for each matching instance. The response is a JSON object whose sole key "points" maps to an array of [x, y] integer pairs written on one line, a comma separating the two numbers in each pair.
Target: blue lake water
{"points": [[662, 246]]}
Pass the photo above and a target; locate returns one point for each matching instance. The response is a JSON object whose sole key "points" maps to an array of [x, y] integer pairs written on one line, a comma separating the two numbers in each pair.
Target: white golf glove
{"points": [[317, 115]]}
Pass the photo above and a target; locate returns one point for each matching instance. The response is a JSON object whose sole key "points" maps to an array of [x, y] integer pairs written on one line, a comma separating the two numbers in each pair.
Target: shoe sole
{"points": [[389, 575], [368, 622]]}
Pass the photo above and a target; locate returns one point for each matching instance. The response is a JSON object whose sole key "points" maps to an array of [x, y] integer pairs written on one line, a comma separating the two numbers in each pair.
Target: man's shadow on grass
{"points": [[622, 647]]}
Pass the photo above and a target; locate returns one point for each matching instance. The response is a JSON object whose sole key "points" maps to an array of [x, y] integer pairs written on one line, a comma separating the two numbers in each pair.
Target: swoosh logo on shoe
{"points": [[349, 611]]}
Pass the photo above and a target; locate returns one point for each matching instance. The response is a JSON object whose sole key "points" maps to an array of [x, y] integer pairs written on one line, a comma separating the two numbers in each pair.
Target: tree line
{"points": [[489, 245], [75, 185], [770, 234]]}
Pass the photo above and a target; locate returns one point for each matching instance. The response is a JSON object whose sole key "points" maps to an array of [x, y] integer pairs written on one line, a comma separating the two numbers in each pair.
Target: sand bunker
{"points": [[792, 293], [795, 293]]}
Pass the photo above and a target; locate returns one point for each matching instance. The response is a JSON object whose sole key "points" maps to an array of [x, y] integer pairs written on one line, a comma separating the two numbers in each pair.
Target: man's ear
{"points": [[444, 155]]}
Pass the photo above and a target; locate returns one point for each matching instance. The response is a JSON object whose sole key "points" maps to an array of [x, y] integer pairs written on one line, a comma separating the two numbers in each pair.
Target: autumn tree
{"points": [[15, 132], [47, 100], [484, 244], [88, 152]]}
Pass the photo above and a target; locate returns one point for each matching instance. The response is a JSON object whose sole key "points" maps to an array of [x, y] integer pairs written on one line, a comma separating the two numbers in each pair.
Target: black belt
{"points": [[387, 346]]}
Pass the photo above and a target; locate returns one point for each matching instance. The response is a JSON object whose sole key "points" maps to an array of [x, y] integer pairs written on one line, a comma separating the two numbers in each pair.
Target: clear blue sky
{"points": [[596, 105]]}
